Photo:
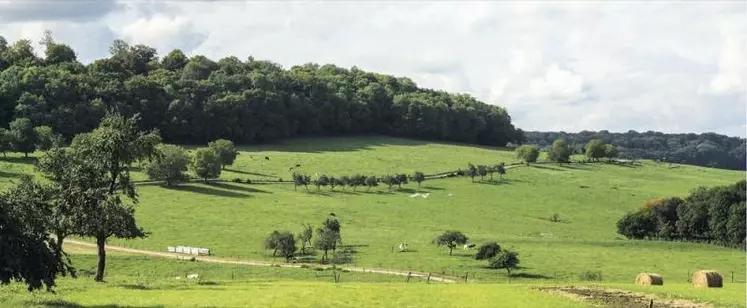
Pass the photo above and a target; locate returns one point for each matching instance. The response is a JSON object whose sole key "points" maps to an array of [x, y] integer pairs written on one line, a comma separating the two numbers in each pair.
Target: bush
{"points": [[555, 217], [236, 180], [590, 276], [487, 251], [248, 181]]}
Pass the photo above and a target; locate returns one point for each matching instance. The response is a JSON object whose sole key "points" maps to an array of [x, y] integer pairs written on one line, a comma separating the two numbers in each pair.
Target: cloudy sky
{"points": [[619, 65]]}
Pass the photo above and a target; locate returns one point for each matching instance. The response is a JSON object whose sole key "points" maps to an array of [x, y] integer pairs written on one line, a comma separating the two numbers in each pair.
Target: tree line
{"points": [[195, 100], [327, 239], [707, 149], [711, 215]]}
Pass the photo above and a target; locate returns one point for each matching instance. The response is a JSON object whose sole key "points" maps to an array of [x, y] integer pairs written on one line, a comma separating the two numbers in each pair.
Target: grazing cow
{"points": [[469, 246], [403, 247], [267, 158], [193, 276], [298, 166]]}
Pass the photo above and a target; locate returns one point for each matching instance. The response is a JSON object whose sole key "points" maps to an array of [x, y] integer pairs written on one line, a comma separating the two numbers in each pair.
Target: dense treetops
{"points": [[709, 149], [196, 100]]}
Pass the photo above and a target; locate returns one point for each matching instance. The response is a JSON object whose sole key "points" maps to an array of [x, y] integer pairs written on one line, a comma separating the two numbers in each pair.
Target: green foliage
{"points": [[559, 152], [528, 153], [225, 150], [305, 237], [322, 180], [451, 239], [283, 242], [196, 100], [328, 235], [389, 180], [488, 251], [418, 177], [169, 164], [23, 136], [371, 182], [610, 151], [6, 141], [482, 171], [400, 178], [713, 215], [27, 252], [590, 276], [595, 149], [505, 259], [46, 138], [301, 180], [472, 171], [206, 164]]}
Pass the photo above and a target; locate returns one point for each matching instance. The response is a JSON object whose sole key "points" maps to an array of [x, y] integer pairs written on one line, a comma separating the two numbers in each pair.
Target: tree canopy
{"points": [[196, 100]]}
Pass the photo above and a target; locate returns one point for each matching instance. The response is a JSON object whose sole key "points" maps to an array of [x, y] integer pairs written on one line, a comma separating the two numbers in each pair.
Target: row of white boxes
{"points": [[189, 250]]}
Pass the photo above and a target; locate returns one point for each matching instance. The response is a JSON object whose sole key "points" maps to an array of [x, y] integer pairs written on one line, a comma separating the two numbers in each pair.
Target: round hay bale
{"points": [[707, 279], [649, 279]]}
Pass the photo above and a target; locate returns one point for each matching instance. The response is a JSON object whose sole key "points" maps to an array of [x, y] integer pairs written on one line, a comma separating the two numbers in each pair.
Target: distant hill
{"points": [[708, 149]]}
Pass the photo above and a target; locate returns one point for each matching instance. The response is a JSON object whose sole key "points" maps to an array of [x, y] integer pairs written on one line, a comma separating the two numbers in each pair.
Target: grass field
{"points": [[233, 219]]}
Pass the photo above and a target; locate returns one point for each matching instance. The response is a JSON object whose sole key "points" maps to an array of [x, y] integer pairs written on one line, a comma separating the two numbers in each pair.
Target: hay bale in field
{"points": [[649, 279], [707, 279]]}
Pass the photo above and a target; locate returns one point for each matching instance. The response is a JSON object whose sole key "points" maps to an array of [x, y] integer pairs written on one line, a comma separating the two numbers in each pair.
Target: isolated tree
{"points": [[282, 241], [6, 141], [371, 182], [357, 180], [472, 171], [610, 151], [305, 237], [559, 152], [46, 138], [505, 259], [482, 170], [94, 172], [320, 181], [333, 181], [595, 149], [169, 164], [528, 153], [225, 150], [501, 169], [400, 179], [326, 240], [451, 239], [23, 136], [488, 251], [418, 177], [206, 164], [27, 252]]}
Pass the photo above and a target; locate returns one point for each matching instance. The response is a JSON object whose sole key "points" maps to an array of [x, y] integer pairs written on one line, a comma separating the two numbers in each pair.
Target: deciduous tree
{"points": [[206, 164], [451, 239]]}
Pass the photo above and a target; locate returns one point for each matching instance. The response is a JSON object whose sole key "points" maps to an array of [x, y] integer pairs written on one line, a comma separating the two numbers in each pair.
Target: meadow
{"points": [[232, 219]]}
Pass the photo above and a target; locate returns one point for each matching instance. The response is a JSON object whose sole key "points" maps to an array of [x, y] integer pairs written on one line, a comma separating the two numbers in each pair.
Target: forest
{"points": [[195, 100], [708, 149]]}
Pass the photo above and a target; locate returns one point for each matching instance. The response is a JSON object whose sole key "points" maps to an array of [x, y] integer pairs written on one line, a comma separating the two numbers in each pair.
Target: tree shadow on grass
{"points": [[580, 167], [6, 174], [546, 167], [432, 188], [530, 276], [499, 182], [344, 144], [58, 303], [19, 160], [250, 173], [239, 188], [207, 191]]}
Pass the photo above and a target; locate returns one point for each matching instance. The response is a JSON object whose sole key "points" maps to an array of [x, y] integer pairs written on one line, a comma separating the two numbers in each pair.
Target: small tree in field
{"points": [[282, 241], [333, 181], [501, 169], [169, 164], [528, 153], [451, 239], [371, 182], [401, 179], [344, 181], [488, 251], [482, 171], [305, 237], [472, 171], [418, 177], [225, 150], [206, 164], [6, 141], [388, 180], [559, 152], [322, 180], [506, 259], [595, 149], [357, 180], [610, 151], [301, 180]]}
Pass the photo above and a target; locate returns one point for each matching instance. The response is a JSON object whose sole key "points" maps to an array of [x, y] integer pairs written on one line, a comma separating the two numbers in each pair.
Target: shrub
{"points": [[590, 276], [236, 180], [488, 251]]}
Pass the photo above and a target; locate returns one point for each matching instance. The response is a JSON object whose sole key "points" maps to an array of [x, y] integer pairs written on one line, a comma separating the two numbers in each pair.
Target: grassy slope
{"points": [[232, 219]]}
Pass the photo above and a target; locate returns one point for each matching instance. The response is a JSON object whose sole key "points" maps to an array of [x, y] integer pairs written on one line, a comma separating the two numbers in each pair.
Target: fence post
{"points": [[408, 277], [465, 276], [429, 279], [732, 276], [651, 304]]}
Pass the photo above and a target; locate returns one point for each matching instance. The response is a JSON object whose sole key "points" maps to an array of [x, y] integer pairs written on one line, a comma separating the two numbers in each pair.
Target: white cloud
{"points": [[675, 67]]}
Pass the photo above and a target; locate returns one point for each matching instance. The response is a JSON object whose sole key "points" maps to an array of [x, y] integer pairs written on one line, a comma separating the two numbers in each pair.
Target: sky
{"points": [[560, 65]]}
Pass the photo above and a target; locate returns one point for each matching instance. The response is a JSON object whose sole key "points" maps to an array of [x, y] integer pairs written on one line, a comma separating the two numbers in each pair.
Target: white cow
{"points": [[193, 276], [403, 247], [469, 246]]}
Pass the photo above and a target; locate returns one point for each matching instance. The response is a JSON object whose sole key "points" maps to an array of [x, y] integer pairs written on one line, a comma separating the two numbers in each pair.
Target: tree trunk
{"points": [[451, 249], [26, 155], [58, 246], [100, 243]]}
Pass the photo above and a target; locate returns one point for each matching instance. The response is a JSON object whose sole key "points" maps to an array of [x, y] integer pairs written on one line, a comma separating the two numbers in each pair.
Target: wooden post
{"points": [[465, 276], [408, 277], [429, 279], [651, 304], [732, 276]]}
